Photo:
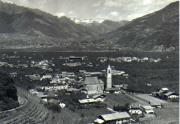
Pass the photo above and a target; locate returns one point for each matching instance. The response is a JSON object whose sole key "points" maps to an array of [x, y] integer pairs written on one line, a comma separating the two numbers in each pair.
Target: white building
{"points": [[147, 109], [54, 88], [113, 118]]}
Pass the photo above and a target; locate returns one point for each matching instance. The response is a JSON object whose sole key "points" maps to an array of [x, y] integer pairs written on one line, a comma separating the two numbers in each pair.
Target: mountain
{"points": [[22, 28], [25, 27], [105, 27], [8, 93], [158, 31]]}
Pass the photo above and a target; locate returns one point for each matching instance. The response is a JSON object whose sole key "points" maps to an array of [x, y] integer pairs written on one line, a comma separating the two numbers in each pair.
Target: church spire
{"points": [[109, 78]]}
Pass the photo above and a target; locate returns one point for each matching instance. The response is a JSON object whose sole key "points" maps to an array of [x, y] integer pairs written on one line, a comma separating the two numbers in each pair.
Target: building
{"points": [[91, 100], [135, 110], [77, 58], [114, 118], [109, 78], [93, 86], [172, 96], [54, 88], [147, 109]]}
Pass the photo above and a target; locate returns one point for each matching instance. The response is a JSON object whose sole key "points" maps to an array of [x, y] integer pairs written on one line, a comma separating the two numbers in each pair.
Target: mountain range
{"points": [[158, 31], [22, 28]]}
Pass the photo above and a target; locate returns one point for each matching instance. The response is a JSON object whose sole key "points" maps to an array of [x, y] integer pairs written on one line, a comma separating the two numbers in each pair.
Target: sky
{"points": [[96, 9]]}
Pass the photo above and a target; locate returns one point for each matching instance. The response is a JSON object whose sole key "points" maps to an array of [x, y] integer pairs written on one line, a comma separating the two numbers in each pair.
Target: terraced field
{"points": [[31, 112]]}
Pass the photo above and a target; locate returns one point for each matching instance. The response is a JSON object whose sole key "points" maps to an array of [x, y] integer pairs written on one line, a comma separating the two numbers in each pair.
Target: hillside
{"points": [[105, 27], [31, 27], [8, 93], [22, 28], [157, 31]]}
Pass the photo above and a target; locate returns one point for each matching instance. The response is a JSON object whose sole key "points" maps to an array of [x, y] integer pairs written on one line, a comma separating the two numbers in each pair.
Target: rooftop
{"points": [[169, 93], [92, 80], [147, 107], [115, 116], [83, 101]]}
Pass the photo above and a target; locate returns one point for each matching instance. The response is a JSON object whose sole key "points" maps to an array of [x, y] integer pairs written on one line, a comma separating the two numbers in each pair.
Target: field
{"points": [[89, 114], [119, 99]]}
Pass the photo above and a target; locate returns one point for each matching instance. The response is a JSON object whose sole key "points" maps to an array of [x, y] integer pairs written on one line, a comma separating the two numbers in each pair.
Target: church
{"points": [[95, 86]]}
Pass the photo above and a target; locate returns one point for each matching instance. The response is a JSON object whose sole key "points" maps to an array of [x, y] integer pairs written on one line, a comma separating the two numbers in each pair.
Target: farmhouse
{"points": [[135, 110], [147, 109], [172, 96], [118, 117], [165, 93]]}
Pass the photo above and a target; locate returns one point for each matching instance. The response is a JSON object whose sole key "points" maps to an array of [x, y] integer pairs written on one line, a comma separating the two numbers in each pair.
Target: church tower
{"points": [[109, 78]]}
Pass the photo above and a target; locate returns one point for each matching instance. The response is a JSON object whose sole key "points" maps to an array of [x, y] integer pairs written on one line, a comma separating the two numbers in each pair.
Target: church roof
{"points": [[92, 80]]}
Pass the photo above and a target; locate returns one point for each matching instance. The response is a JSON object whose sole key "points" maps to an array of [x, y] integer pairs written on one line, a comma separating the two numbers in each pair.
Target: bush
{"points": [[53, 107], [8, 92]]}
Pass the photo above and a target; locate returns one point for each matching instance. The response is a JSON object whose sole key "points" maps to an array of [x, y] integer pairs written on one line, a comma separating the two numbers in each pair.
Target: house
{"points": [[91, 100], [54, 88], [165, 89], [34, 77], [166, 94], [77, 58], [93, 86], [147, 109], [44, 77], [72, 64], [172, 96], [135, 110], [117, 117], [62, 105], [37, 93]]}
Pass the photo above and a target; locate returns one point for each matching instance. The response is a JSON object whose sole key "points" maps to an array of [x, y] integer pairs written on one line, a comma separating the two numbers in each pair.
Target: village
{"points": [[93, 94]]}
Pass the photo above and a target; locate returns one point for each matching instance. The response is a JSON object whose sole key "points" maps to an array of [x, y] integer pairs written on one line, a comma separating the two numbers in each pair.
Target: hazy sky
{"points": [[96, 9]]}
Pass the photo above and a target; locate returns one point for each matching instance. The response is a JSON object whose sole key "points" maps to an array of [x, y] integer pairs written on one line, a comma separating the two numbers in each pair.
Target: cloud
{"points": [[111, 3], [114, 13], [93, 9], [97, 4], [60, 14], [147, 2]]}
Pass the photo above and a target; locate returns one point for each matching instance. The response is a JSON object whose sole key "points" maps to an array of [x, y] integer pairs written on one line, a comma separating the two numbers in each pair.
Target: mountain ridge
{"points": [[156, 31], [22, 28]]}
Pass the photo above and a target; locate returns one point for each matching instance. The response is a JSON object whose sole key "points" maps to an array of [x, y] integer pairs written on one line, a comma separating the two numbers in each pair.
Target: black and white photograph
{"points": [[89, 61]]}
